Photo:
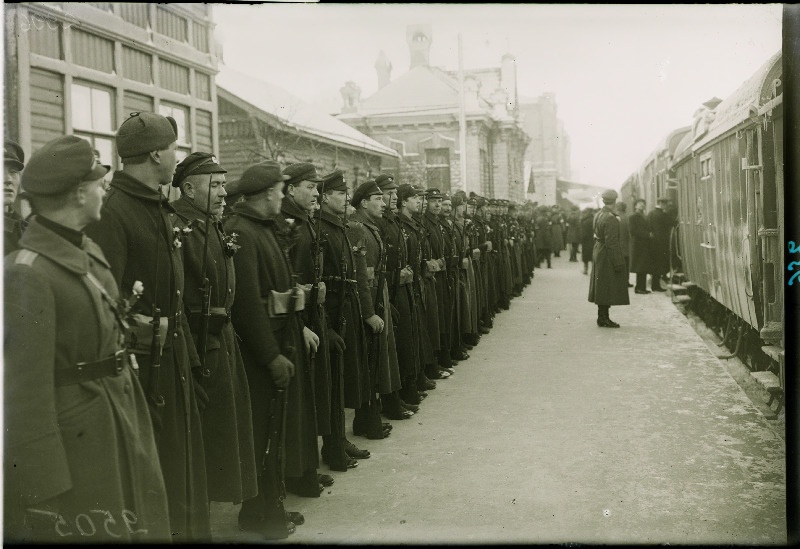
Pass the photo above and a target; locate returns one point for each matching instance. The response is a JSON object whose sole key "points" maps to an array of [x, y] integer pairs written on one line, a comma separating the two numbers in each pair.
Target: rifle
{"points": [[313, 320], [284, 393], [343, 273], [205, 290]]}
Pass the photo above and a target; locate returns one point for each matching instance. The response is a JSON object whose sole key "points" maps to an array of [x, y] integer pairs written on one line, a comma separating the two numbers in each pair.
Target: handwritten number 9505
{"points": [[86, 526], [793, 249]]}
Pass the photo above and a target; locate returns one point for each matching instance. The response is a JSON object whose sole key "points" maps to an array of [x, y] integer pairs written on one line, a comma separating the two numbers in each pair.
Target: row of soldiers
{"points": [[161, 355]]}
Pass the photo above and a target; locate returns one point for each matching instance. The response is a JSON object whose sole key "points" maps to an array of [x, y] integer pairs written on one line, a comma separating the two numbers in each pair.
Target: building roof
{"points": [[422, 90], [275, 103]]}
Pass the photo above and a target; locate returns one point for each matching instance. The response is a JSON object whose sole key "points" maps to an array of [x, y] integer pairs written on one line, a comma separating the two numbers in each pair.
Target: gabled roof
{"points": [[275, 103], [422, 90]]}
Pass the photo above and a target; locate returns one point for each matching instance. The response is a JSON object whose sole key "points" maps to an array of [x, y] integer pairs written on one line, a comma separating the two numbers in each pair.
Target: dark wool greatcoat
{"points": [[436, 281], [454, 273], [12, 231], [469, 294], [262, 266], [587, 237], [401, 296], [301, 256], [624, 235], [608, 284], [557, 232], [660, 225], [640, 243], [387, 375], [480, 242], [227, 420], [413, 233], [86, 448], [344, 310], [574, 228], [138, 236]]}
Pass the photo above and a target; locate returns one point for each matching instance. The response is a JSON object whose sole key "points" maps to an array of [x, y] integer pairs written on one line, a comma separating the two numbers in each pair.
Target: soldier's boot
{"points": [[367, 423], [409, 393], [307, 486]]}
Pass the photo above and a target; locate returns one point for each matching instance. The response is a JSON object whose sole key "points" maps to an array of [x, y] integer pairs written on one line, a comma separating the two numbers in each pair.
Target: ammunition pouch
{"points": [[278, 303], [321, 292], [139, 338], [217, 320]]}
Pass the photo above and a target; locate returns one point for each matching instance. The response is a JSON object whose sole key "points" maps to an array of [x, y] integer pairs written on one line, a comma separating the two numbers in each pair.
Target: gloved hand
{"points": [[488, 245], [375, 323], [335, 341], [200, 394], [281, 369], [311, 339]]}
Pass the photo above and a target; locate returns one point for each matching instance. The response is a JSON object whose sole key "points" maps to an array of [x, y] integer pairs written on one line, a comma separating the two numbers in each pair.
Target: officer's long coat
{"points": [[301, 254], [660, 224], [87, 446], [640, 243], [437, 246], [345, 306], [468, 311], [227, 420], [587, 237], [137, 234], [387, 368], [608, 284], [262, 266]]}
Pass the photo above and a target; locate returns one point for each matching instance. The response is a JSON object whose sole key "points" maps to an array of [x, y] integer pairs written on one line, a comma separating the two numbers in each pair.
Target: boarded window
{"points": [[47, 107], [137, 65], [138, 14], [181, 116], [45, 38], [203, 86], [174, 77], [171, 24], [135, 102], [437, 168], [203, 131], [200, 37], [89, 50]]}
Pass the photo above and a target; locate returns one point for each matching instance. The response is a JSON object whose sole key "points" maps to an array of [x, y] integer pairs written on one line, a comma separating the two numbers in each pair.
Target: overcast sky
{"points": [[623, 76]]}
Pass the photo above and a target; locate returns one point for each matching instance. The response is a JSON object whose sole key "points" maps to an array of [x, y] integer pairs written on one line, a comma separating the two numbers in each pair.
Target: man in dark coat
{"points": [[80, 459], [13, 163], [208, 255], [587, 238], [275, 346], [138, 235], [574, 233], [306, 255], [607, 285], [369, 207], [641, 243], [660, 225], [399, 278], [345, 327]]}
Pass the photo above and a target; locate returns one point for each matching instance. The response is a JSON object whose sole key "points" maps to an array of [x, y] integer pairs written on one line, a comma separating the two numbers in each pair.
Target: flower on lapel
{"points": [[230, 243], [179, 234]]}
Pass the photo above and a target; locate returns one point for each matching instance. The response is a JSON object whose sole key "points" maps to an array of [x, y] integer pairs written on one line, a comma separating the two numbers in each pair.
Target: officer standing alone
{"points": [[608, 284]]}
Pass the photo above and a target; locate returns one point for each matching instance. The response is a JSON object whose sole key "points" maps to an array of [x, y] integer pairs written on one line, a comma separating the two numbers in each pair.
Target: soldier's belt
{"points": [[278, 303], [335, 281], [88, 371], [219, 317], [321, 292]]}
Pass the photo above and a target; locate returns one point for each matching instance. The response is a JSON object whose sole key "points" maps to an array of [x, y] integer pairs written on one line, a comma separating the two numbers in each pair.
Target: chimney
{"points": [[351, 97], [419, 39], [508, 80], [384, 69]]}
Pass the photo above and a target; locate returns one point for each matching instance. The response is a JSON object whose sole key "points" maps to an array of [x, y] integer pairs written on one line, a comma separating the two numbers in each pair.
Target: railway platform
{"points": [[558, 431]]}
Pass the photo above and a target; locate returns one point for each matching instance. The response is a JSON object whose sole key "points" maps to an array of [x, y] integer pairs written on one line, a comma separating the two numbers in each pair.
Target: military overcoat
{"points": [[640, 243], [79, 449], [608, 284]]}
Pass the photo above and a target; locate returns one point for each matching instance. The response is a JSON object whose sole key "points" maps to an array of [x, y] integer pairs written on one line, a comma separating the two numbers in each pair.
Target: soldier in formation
{"points": [[243, 335]]}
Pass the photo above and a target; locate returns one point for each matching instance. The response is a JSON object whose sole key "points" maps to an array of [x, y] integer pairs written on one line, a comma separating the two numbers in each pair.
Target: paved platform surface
{"points": [[557, 431]]}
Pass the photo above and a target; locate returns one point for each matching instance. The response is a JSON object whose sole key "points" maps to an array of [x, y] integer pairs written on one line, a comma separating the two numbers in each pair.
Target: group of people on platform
{"points": [[161, 355]]}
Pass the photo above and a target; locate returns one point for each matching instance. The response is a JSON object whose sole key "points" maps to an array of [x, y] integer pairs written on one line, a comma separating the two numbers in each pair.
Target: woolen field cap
{"points": [[13, 155], [301, 171], [405, 191], [365, 190], [196, 163], [61, 165], [257, 178], [433, 193], [609, 196], [385, 182], [334, 181], [144, 132]]}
